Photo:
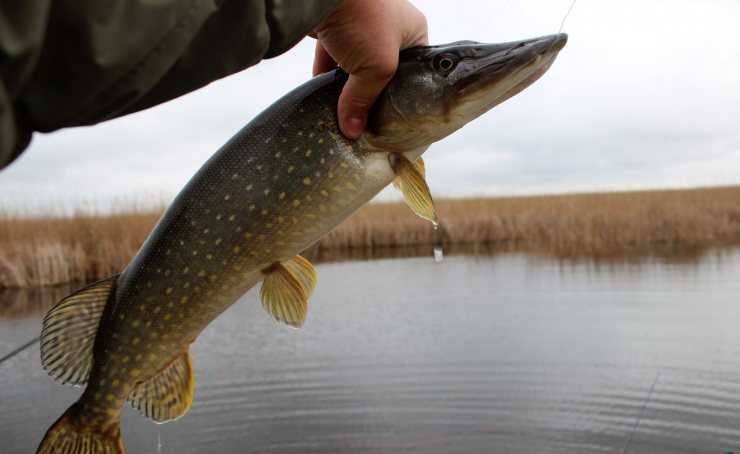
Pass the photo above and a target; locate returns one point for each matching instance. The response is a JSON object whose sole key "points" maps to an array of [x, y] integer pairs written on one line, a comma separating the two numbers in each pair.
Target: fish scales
{"points": [[279, 185], [284, 180]]}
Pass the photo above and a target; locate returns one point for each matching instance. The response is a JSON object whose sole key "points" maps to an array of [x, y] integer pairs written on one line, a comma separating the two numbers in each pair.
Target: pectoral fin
{"points": [[286, 289], [419, 165], [410, 181]]}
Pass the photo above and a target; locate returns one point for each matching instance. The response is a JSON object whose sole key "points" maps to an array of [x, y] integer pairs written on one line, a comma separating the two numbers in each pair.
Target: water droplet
{"points": [[439, 254], [438, 249]]}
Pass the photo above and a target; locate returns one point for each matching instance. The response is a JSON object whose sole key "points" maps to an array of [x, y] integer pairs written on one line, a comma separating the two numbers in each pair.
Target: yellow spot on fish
{"points": [[307, 181], [218, 217], [157, 309], [135, 323], [248, 235], [236, 249], [115, 383], [195, 252], [281, 196], [232, 217], [168, 291], [201, 273], [110, 397], [209, 256], [206, 230], [227, 197], [135, 341], [186, 285], [124, 360], [278, 154], [263, 212], [296, 202], [249, 187], [167, 316], [252, 207], [185, 270], [266, 191], [321, 140], [183, 300], [324, 193], [308, 152], [218, 241], [235, 176], [291, 169]]}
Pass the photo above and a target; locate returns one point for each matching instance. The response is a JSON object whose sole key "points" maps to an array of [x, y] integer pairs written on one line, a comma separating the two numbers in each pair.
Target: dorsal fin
{"points": [[167, 395], [69, 329], [286, 289]]}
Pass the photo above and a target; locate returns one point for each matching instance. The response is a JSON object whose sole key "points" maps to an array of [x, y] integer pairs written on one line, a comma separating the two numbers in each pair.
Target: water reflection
{"points": [[504, 353], [22, 303]]}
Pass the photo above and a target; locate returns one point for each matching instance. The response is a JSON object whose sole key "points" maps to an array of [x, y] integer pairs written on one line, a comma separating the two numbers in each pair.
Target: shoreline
{"points": [[38, 251]]}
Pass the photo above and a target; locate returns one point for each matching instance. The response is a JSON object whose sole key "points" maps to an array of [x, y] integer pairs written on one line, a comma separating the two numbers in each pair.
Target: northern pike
{"points": [[273, 190]]}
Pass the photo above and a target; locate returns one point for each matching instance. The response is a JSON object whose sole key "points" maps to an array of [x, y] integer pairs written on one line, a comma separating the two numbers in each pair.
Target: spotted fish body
{"points": [[273, 190], [280, 184]]}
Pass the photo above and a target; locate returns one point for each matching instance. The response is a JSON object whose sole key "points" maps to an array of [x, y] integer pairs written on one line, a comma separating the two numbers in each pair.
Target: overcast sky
{"points": [[645, 95]]}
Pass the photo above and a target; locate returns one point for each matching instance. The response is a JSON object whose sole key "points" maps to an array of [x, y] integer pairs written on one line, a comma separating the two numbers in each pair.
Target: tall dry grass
{"points": [[48, 251]]}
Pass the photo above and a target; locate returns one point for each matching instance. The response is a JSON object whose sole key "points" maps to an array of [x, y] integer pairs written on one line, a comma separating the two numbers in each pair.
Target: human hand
{"points": [[364, 37]]}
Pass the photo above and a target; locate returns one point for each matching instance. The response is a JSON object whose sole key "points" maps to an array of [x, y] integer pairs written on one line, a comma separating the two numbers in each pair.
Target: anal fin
{"points": [[286, 289], [69, 329], [167, 395]]}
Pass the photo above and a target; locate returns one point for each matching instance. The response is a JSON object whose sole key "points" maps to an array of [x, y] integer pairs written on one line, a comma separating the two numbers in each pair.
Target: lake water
{"points": [[502, 354]]}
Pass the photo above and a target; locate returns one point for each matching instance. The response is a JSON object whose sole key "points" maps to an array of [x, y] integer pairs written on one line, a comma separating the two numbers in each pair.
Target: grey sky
{"points": [[644, 95]]}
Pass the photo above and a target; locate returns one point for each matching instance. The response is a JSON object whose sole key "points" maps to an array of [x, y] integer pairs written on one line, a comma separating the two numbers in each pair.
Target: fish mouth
{"points": [[489, 74], [507, 64]]}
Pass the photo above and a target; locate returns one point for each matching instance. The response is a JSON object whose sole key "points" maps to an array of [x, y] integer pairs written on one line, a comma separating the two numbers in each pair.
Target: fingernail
{"points": [[355, 125]]}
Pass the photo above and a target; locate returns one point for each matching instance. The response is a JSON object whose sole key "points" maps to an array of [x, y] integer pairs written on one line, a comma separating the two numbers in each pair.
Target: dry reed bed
{"points": [[49, 251]]}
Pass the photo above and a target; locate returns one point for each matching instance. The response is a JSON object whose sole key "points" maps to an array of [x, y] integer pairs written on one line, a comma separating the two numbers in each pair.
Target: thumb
{"points": [[358, 95]]}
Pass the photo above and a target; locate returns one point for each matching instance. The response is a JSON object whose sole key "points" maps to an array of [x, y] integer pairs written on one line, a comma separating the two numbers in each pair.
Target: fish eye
{"points": [[445, 63]]}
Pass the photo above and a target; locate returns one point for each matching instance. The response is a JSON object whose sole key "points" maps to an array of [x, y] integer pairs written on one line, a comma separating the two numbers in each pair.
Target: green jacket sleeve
{"points": [[79, 62]]}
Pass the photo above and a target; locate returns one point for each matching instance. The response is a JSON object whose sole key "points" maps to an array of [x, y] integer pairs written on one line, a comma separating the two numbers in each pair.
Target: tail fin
{"points": [[68, 435]]}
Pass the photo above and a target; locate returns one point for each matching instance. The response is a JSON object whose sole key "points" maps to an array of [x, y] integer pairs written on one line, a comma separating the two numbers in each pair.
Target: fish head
{"points": [[439, 89]]}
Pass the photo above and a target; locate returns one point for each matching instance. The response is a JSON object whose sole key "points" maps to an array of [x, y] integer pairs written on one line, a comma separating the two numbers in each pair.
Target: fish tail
{"points": [[70, 434]]}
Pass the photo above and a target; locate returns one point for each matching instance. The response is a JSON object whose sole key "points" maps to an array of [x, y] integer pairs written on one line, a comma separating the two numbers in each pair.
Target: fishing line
{"points": [[562, 24]]}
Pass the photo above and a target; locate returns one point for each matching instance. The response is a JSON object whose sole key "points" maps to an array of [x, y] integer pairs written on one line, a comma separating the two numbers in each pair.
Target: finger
{"points": [[322, 61], [358, 95]]}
